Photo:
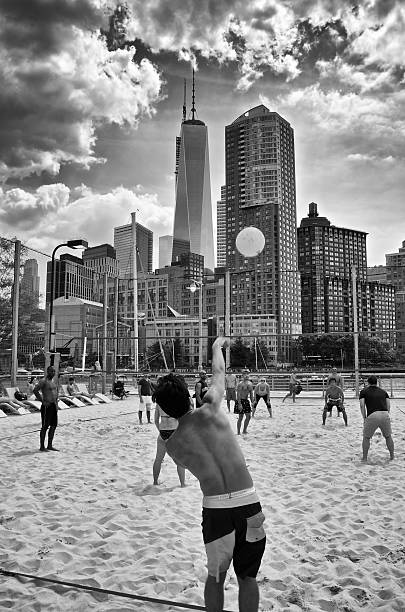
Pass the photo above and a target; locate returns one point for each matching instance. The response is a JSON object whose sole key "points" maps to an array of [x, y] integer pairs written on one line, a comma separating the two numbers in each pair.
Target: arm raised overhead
{"points": [[215, 394]]}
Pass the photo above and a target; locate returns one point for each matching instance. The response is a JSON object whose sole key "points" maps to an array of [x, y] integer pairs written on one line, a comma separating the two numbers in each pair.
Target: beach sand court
{"points": [[89, 514]]}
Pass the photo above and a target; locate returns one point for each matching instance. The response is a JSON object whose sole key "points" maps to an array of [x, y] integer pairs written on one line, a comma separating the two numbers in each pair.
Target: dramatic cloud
{"points": [[59, 82], [43, 217]]}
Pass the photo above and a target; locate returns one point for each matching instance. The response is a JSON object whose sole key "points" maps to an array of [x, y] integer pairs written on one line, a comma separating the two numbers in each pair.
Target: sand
{"points": [[89, 514]]}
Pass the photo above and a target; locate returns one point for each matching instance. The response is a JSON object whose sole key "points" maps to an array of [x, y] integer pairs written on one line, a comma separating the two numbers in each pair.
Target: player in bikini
{"points": [[166, 426]]}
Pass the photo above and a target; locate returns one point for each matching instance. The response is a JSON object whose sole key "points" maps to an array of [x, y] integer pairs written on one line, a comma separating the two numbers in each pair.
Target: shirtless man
{"points": [[245, 399], [338, 378], [232, 516], [334, 396], [46, 391], [231, 382]]}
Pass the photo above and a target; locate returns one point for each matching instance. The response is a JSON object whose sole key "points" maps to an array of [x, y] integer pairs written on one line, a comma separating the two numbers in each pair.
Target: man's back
{"points": [[206, 445], [375, 399]]}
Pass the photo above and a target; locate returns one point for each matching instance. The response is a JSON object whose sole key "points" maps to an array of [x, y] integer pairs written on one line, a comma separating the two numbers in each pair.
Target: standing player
{"points": [[145, 390], [46, 391], [262, 391], [201, 388], [245, 399], [334, 396], [292, 385], [166, 426], [231, 382], [338, 378], [375, 409], [232, 519]]}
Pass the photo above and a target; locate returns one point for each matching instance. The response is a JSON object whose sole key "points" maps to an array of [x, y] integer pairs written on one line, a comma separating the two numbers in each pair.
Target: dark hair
{"points": [[372, 380], [332, 378], [172, 395], [71, 378]]}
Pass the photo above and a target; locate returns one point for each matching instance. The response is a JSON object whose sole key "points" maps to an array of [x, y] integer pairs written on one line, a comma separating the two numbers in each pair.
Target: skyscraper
{"points": [[221, 228], [30, 279], [165, 250], [260, 191], [192, 230], [124, 250], [326, 255]]}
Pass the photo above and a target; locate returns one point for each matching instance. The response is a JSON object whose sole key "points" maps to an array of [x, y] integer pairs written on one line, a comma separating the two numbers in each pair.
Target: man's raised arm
{"points": [[215, 394]]}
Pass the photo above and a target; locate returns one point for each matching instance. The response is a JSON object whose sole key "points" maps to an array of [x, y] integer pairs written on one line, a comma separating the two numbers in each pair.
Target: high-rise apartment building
{"points": [[72, 279], [260, 192], [30, 279], [221, 228], [326, 257], [165, 250], [102, 260], [124, 249], [192, 229], [395, 266]]}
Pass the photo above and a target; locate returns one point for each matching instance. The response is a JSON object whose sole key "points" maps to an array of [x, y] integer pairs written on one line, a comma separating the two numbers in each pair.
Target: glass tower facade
{"points": [[193, 229], [260, 191]]}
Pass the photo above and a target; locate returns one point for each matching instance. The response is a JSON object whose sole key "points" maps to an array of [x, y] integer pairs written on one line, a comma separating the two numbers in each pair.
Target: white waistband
{"points": [[231, 500]]}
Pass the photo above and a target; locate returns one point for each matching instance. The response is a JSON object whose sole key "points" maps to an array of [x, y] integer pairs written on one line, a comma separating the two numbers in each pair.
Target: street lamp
{"points": [[197, 285], [71, 244]]}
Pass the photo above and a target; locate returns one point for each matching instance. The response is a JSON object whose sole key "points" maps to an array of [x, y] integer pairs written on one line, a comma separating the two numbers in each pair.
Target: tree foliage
{"points": [[372, 350], [244, 355], [30, 317]]}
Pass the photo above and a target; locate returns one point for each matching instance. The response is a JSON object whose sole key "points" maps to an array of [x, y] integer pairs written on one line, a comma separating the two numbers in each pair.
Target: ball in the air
{"points": [[250, 242]]}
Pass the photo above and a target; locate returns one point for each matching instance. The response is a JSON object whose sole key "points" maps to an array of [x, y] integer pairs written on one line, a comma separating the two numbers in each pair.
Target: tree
{"points": [[240, 354], [30, 317]]}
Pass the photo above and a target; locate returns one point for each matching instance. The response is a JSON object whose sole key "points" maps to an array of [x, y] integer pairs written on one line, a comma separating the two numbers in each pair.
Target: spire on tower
{"points": [[193, 111], [184, 101]]}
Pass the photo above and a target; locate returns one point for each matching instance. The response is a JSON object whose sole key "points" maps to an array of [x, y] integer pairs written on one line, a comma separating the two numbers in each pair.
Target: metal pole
{"points": [[135, 288], [200, 326], [355, 332], [115, 333], [256, 352], [51, 335], [104, 351], [15, 306], [228, 316]]}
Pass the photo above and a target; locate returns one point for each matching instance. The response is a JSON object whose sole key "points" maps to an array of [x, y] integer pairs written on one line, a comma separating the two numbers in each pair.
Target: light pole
{"points": [[71, 244], [355, 331], [197, 285]]}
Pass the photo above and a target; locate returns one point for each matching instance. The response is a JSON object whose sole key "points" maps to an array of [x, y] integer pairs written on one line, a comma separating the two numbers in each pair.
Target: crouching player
{"points": [[334, 396], [232, 517]]}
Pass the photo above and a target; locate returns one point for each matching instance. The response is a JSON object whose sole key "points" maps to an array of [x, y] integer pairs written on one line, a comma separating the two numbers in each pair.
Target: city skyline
{"points": [[334, 72]]}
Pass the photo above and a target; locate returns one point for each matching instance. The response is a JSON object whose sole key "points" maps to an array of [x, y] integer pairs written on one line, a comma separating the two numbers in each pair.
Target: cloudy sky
{"points": [[89, 112]]}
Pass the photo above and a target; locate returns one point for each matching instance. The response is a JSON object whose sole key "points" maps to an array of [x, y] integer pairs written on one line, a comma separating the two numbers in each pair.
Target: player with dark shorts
{"points": [[334, 396], [46, 391], [375, 409], [232, 517], [245, 399]]}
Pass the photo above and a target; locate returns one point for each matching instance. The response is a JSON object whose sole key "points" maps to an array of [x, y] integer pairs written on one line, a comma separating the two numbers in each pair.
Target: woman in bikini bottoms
{"points": [[166, 426]]}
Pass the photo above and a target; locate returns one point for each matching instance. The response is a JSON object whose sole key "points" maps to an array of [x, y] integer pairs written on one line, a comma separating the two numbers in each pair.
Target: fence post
{"points": [[392, 388], [15, 306]]}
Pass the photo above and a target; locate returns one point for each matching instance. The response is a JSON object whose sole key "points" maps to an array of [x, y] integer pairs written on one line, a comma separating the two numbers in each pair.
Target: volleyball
{"points": [[250, 241]]}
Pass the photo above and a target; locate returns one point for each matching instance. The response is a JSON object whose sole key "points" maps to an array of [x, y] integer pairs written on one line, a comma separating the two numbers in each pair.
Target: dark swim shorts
{"points": [[49, 415], [234, 534], [245, 407], [334, 402]]}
